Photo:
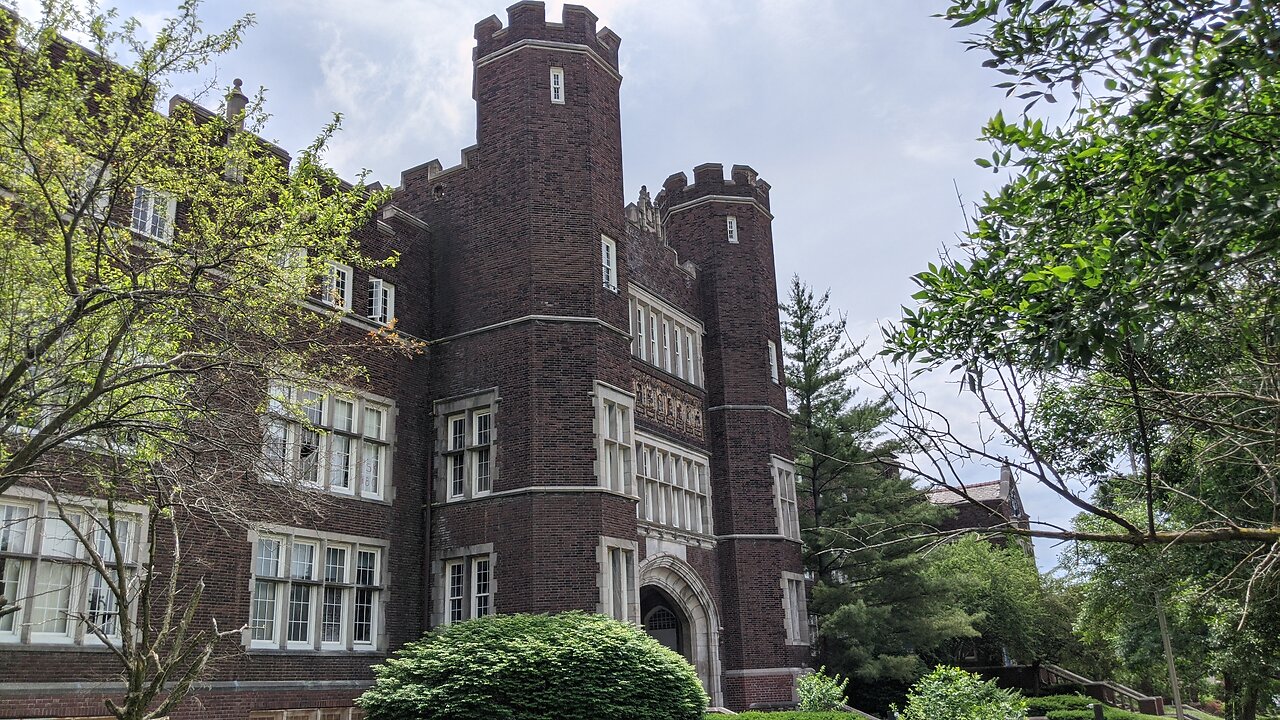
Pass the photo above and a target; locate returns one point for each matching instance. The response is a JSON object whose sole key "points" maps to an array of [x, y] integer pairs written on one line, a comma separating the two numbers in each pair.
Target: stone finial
{"points": [[236, 103]]}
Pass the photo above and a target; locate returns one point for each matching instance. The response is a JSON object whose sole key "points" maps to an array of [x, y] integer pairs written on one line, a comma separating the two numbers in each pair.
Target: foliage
{"points": [[567, 666], [877, 607], [950, 693], [1046, 703], [1113, 305], [1001, 588], [142, 357], [819, 691], [1108, 713], [786, 715]]}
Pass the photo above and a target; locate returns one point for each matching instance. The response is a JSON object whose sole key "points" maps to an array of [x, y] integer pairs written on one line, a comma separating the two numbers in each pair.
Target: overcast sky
{"points": [[862, 114]]}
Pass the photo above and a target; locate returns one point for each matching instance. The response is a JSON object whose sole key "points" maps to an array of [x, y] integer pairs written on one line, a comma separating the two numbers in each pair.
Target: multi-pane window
{"points": [[665, 337], [793, 607], [773, 361], [557, 85], [619, 581], [614, 430], [382, 301], [467, 445], [153, 213], [784, 491], [468, 588], [335, 290], [609, 263], [334, 441], [731, 228], [314, 592], [674, 487], [47, 571]]}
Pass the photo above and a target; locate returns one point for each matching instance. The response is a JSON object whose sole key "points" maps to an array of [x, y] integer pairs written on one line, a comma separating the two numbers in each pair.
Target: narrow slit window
{"points": [[557, 85], [731, 228]]}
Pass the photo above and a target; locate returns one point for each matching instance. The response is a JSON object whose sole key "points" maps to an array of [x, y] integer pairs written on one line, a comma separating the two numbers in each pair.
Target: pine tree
{"points": [[878, 609]]}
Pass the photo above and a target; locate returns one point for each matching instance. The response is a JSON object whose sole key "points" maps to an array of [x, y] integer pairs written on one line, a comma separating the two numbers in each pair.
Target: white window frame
{"points": [[34, 553], [619, 579], [655, 325], [614, 427], [731, 228], [784, 497], [382, 301], [795, 608], [353, 585], [609, 263], [674, 487], [557, 86], [331, 294], [287, 424], [774, 373], [459, 465], [469, 599], [144, 215]]}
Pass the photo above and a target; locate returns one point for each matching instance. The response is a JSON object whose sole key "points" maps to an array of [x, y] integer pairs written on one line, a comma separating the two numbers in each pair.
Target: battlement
{"points": [[527, 21], [709, 180]]}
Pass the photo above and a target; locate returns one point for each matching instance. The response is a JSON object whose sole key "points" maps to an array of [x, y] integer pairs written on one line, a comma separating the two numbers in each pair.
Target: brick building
{"points": [[598, 423]]}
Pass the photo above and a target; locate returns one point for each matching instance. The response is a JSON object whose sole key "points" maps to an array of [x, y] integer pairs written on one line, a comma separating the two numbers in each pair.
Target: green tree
{"points": [[1002, 589], [877, 606], [138, 341]]}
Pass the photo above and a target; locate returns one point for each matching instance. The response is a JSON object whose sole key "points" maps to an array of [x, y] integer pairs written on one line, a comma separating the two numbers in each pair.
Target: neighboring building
{"points": [[598, 423], [986, 507]]}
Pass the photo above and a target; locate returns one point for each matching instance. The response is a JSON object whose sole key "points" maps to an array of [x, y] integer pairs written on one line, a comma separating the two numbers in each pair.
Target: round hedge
{"points": [[571, 666]]}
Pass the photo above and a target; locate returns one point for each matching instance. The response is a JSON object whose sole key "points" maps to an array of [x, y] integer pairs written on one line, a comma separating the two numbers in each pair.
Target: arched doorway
{"points": [[677, 610], [658, 615]]}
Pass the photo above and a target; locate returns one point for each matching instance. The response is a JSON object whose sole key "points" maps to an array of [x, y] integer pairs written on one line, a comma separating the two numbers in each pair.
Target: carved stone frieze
{"points": [[668, 406]]}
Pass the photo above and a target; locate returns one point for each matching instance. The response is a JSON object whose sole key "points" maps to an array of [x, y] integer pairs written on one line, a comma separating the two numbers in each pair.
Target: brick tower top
{"points": [[710, 184], [527, 23]]}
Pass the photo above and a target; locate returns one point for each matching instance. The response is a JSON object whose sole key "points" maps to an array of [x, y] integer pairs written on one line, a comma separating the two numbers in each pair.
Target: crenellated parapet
{"points": [[710, 185], [527, 23]]}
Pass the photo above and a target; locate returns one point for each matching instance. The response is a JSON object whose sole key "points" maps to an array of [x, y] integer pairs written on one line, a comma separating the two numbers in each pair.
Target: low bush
{"points": [[950, 693], [1109, 713], [571, 666], [820, 692], [787, 715], [1048, 703]]}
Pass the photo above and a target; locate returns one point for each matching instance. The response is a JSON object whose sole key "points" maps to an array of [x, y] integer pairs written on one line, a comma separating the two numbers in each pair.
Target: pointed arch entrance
{"points": [[677, 610]]}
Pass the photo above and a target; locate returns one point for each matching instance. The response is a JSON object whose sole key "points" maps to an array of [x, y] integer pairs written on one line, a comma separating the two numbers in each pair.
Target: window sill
{"points": [[327, 652]]}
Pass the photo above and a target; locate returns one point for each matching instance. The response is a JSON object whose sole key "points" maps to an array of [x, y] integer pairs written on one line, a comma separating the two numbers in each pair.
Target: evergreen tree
{"points": [[878, 608]]}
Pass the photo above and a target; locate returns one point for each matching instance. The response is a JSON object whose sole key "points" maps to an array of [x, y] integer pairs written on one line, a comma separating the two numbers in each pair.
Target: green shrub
{"points": [[571, 666], [1048, 703], [950, 693], [1108, 712], [820, 692], [787, 715]]}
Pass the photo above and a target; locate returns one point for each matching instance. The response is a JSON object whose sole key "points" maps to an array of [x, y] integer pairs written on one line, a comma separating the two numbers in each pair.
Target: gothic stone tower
{"points": [[608, 437]]}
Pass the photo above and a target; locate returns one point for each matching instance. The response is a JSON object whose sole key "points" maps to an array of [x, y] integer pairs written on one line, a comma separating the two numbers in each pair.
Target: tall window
{"points": [[793, 608], [784, 490], [335, 291], [45, 571], [557, 85], [466, 461], [665, 337], [153, 213], [773, 361], [731, 228], [468, 587], [674, 487], [315, 591], [619, 580], [338, 442], [609, 263], [382, 301], [614, 428]]}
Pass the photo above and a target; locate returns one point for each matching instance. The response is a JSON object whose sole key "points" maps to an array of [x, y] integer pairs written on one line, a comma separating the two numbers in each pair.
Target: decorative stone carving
{"points": [[668, 406]]}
